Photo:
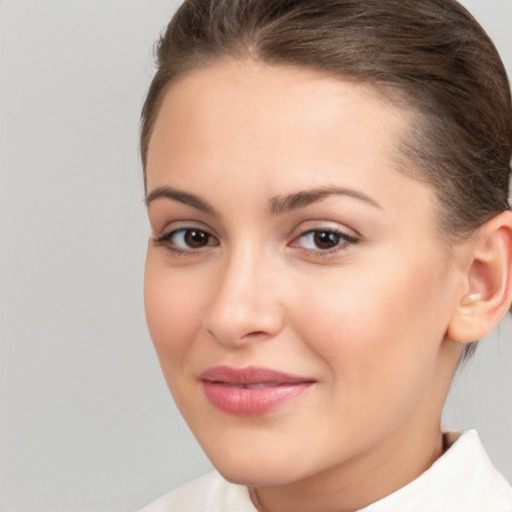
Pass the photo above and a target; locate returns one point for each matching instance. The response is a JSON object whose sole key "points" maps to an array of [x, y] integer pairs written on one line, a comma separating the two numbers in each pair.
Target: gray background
{"points": [[86, 423]]}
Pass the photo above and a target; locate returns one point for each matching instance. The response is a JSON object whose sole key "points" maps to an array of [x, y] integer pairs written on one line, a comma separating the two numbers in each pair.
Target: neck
{"points": [[397, 461]]}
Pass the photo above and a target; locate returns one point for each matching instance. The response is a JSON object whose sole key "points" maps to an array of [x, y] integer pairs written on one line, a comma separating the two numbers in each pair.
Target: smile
{"points": [[251, 391]]}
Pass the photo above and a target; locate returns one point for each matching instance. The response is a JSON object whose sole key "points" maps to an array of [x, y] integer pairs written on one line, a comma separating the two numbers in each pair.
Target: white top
{"points": [[463, 479]]}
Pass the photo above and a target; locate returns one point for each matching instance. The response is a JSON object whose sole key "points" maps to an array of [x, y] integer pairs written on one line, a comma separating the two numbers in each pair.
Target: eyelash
{"points": [[342, 242], [166, 240]]}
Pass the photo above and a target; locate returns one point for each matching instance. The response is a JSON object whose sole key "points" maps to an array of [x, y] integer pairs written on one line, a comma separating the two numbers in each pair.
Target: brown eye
{"points": [[195, 238], [326, 239], [186, 240]]}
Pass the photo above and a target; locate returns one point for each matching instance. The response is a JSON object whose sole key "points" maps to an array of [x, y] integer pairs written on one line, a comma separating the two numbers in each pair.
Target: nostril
{"points": [[233, 337], [255, 334]]}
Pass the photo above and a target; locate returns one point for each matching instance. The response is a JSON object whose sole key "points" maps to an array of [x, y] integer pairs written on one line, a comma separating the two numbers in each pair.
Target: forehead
{"points": [[253, 124], [289, 100]]}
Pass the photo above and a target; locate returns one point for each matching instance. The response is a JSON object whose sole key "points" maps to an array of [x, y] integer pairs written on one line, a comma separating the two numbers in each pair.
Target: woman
{"points": [[327, 185]]}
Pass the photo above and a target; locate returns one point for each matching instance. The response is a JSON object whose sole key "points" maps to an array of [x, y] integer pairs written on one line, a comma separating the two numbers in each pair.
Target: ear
{"points": [[487, 294]]}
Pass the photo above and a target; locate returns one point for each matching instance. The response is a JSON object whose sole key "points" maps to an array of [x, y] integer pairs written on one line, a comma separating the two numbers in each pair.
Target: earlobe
{"points": [[488, 291]]}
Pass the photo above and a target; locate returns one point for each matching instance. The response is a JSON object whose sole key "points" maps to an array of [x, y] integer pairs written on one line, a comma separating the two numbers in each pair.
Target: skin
{"points": [[366, 319]]}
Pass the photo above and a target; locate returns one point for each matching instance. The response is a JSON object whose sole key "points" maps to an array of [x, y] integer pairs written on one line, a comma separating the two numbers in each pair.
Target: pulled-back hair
{"points": [[430, 55]]}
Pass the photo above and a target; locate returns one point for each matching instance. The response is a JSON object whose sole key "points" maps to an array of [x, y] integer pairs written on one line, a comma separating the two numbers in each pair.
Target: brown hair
{"points": [[430, 54]]}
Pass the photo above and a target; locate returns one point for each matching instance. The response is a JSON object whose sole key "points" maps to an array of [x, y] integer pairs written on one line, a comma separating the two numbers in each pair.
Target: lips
{"points": [[251, 391]]}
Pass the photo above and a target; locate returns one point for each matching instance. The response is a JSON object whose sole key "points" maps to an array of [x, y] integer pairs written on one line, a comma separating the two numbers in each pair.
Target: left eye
{"points": [[323, 239]]}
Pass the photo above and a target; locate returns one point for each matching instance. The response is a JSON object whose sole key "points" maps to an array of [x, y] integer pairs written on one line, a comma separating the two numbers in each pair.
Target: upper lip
{"points": [[250, 375]]}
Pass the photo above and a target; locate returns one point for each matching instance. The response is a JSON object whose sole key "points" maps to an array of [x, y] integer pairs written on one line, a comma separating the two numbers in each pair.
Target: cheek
{"points": [[368, 326], [172, 311], [377, 347]]}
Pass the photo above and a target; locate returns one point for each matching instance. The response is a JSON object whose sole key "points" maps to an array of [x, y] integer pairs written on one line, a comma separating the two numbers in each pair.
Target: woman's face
{"points": [[296, 290]]}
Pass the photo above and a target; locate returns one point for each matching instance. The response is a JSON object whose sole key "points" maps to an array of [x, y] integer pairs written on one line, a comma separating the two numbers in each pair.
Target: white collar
{"points": [[463, 479]]}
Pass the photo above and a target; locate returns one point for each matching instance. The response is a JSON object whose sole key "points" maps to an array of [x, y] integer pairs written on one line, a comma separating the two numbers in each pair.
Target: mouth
{"points": [[251, 391]]}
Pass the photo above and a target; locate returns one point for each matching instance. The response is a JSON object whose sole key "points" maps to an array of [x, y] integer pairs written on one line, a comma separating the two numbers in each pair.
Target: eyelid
{"points": [[174, 228], [178, 225], [325, 224]]}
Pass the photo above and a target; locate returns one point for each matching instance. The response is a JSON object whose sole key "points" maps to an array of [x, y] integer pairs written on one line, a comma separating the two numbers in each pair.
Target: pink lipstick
{"points": [[251, 391]]}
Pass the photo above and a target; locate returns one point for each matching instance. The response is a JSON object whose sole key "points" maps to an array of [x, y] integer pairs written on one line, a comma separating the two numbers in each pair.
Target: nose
{"points": [[244, 306]]}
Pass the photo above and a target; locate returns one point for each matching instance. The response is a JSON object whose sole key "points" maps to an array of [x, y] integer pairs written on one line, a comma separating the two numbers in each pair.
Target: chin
{"points": [[258, 469], [257, 476]]}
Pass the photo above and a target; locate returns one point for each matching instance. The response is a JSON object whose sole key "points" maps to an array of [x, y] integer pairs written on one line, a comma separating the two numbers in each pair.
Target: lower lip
{"points": [[251, 401]]}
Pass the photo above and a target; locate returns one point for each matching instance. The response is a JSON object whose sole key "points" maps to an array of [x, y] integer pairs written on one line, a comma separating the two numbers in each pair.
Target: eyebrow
{"points": [[283, 204], [278, 205], [180, 196]]}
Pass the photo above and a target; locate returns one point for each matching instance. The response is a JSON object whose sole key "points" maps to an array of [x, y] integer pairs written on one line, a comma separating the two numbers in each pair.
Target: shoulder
{"points": [[208, 493]]}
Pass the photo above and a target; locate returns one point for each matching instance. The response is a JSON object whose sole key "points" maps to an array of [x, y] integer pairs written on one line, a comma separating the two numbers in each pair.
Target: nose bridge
{"points": [[244, 305]]}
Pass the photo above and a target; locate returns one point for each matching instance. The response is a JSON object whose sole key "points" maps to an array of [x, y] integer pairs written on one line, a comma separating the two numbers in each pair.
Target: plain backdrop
{"points": [[86, 422]]}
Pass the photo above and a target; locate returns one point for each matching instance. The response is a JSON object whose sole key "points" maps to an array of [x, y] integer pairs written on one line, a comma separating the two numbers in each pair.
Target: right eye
{"points": [[186, 240]]}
